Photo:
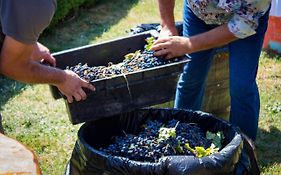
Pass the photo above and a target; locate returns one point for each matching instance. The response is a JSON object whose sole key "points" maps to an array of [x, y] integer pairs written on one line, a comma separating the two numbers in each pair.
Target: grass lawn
{"points": [[33, 117]]}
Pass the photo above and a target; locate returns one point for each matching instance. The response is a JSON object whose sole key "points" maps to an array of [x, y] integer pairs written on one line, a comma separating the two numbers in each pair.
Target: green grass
{"points": [[269, 134], [104, 21], [33, 117]]}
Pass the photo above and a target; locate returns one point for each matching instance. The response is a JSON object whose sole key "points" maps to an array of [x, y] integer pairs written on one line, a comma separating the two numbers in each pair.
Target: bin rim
{"points": [[97, 44]]}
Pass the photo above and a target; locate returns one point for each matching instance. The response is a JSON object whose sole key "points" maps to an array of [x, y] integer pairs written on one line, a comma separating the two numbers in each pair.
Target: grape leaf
{"points": [[201, 151], [187, 146], [150, 41], [166, 133], [131, 56], [216, 138]]}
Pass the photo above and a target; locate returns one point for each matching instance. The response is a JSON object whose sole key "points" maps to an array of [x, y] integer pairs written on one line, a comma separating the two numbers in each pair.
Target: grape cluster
{"points": [[138, 61], [148, 147]]}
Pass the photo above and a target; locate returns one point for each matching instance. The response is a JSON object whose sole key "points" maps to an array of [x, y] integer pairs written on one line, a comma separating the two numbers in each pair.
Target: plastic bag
{"points": [[153, 27], [87, 159]]}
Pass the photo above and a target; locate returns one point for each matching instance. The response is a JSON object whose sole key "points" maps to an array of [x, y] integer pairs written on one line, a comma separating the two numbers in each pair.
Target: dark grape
{"points": [[147, 147], [141, 60]]}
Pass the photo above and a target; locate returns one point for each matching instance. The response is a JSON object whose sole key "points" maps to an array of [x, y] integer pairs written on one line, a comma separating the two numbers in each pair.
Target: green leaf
{"points": [[150, 41], [166, 133], [201, 151], [213, 149], [187, 146], [179, 149], [130, 56], [216, 138]]}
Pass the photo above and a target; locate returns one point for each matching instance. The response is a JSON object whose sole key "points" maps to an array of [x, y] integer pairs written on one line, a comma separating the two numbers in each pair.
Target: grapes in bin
{"points": [[158, 139]]}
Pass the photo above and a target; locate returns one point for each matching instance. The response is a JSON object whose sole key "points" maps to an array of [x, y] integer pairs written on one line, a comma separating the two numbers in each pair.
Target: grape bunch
{"points": [[133, 62], [156, 141]]}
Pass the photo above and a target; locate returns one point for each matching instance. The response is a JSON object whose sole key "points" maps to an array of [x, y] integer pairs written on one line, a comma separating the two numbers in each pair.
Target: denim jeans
{"points": [[243, 64]]}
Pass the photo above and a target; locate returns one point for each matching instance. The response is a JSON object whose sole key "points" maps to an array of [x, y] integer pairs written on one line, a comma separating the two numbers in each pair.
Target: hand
{"points": [[168, 31], [42, 53], [171, 47], [72, 87]]}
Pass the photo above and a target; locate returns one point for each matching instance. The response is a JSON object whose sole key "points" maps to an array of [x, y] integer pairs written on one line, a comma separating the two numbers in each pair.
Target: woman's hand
{"points": [[168, 31], [170, 47]]}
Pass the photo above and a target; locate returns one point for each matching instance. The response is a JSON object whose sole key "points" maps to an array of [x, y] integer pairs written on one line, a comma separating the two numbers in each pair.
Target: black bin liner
{"points": [[87, 159]]}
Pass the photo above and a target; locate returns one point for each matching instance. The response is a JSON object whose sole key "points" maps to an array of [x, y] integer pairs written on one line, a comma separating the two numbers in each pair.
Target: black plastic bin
{"points": [[87, 159], [122, 93]]}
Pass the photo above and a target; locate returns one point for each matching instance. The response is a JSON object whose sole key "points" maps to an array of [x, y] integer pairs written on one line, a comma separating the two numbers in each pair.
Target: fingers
{"points": [[162, 40], [169, 56], [166, 53], [69, 98], [88, 85], [162, 52], [49, 59], [80, 94], [160, 46], [77, 97]]}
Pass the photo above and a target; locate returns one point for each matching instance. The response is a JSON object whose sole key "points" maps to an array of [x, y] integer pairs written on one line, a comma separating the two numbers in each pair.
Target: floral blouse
{"points": [[241, 16]]}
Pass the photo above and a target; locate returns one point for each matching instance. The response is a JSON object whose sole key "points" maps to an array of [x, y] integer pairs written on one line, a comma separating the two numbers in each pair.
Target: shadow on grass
{"points": [[87, 25], [8, 89], [269, 147]]}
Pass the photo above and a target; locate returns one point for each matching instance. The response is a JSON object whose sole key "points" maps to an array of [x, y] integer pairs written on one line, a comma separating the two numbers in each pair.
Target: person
{"points": [[21, 25], [207, 24]]}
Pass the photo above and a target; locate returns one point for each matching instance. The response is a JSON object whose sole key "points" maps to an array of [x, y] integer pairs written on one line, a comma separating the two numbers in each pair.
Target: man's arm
{"points": [[175, 46], [16, 63], [166, 8]]}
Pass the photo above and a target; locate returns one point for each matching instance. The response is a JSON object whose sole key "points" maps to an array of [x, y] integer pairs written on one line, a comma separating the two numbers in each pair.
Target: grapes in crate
{"points": [[133, 62]]}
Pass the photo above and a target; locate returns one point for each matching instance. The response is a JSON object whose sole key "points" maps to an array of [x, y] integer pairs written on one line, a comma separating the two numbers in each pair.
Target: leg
{"points": [[245, 103], [190, 88]]}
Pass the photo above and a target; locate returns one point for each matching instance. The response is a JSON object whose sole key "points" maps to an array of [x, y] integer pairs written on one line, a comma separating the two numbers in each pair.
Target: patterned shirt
{"points": [[241, 16]]}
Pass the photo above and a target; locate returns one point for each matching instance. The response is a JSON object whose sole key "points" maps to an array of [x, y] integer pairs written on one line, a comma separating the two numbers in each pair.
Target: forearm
{"points": [[175, 46], [216, 37], [15, 63], [166, 8], [33, 72]]}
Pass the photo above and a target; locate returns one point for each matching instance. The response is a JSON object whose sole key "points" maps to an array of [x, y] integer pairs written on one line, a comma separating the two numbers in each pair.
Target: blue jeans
{"points": [[243, 64]]}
